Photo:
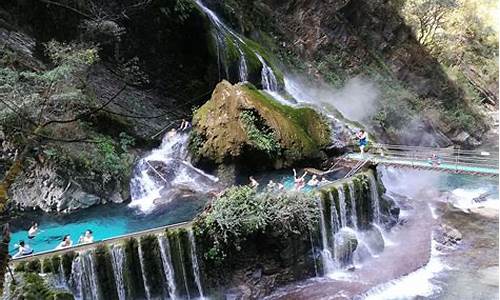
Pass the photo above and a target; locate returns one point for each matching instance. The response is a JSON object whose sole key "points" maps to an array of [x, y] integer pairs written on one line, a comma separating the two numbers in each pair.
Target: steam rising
{"points": [[357, 100]]}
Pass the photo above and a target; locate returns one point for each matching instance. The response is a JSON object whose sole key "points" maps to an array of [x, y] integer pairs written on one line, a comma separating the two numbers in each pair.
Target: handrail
{"points": [[99, 242]]}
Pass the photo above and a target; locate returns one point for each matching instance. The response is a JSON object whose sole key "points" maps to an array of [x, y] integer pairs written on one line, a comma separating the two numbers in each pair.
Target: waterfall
{"points": [[374, 197], [84, 277], [326, 254], [194, 263], [313, 254], [144, 279], [168, 267], [165, 172], [183, 268], [334, 217], [354, 213], [269, 81], [243, 69], [342, 207], [117, 259], [61, 278]]}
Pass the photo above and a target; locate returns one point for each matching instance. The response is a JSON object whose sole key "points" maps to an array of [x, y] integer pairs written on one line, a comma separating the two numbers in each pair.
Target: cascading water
{"points": [[166, 173], [143, 272], [183, 269], [194, 263], [374, 197], [117, 261], [326, 254], [168, 268], [83, 279], [269, 81], [342, 208], [335, 222], [354, 214]]}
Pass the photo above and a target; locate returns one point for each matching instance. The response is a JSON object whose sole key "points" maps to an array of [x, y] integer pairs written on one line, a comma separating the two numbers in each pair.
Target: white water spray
{"points": [[117, 261], [354, 213], [374, 198], [194, 263], [143, 272], [168, 268], [342, 207], [165, 173]]}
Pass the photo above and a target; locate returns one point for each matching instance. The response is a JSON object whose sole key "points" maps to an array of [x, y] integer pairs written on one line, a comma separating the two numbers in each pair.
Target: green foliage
{"points": [[241, 212], [35, 288], [263, 139], [104, 269], [178, 9], [34, 266], [113, 159]]}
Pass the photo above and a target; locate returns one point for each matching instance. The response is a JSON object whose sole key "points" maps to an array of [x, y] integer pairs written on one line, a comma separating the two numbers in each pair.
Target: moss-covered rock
{"points": [[241, 123], [67, 262], [132, 274], [152, 265], [104, 269]]}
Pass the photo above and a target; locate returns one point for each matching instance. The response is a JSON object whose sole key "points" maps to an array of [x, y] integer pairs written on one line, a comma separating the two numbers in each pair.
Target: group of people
{"points": [[24, 249], [299, 182]]}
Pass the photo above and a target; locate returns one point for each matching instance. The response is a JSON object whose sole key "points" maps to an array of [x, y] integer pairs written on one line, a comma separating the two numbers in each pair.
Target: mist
{"points": [[357, 100]]}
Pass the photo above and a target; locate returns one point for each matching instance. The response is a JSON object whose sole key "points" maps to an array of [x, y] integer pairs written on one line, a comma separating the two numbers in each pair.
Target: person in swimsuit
{"points": [[23, 250], [33, 231], [65, 243], [362, 140]]}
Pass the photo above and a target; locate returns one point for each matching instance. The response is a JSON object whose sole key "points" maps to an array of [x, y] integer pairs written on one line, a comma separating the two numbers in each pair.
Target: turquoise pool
{"points": [[105, 222]]}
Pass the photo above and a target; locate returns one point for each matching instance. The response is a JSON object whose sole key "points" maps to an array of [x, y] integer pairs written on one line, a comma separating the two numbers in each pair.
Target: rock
{"points": [[346, 243], [240, 123], [374, 239], [448, 236]]}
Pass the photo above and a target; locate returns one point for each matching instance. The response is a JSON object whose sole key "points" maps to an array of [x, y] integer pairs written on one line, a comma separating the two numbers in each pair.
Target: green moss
{"points": [[181, 261], [152, 264], [55, 264], [20, 267], [327, 215], [33, 266], [348, 203], [133, 274], [35, 288], [47, 265], [67, 262], [104, 269]]}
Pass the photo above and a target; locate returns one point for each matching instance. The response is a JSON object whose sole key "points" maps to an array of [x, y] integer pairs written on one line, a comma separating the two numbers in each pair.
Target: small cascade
{"points": [[326, 254], [243, 69], [194, 263], [183, 269], [165, 173], [143, 272], [83, 279], [269, 82], [374, 197], [313, 254], [61, 279], [168, 267], [335, 222], [354, 213], [342, 208], [117, 261]]}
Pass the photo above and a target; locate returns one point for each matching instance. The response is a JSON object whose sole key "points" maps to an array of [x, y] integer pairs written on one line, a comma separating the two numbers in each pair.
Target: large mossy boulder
{"points": [[242, 124]]}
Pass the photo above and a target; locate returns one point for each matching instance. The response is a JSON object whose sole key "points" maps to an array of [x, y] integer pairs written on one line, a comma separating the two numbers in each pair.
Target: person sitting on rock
{"points": [[87, 237], [253, 183], [65, 243], [33, 231], [23, 250]]}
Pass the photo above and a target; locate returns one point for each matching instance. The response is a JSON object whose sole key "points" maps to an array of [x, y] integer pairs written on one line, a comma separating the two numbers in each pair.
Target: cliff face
{"points": [[337, 40]]}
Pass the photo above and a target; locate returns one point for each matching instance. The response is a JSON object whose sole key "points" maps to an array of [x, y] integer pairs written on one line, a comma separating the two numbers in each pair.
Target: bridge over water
{"points": [[451, 160]]}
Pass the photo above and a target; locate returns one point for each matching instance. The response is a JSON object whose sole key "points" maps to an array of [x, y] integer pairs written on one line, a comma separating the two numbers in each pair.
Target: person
{"points": [[253, 183], [280, 186], [434, 160], [33, 231], [313, 181], [362, 140], [86, 238], [184, 125], [23, 250], [65, 243], [172, 133], [324, 181], [300, 182], [271, 185]]}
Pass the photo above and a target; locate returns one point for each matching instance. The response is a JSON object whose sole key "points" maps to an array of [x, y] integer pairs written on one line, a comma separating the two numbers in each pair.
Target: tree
{"points": [[40, 105]]}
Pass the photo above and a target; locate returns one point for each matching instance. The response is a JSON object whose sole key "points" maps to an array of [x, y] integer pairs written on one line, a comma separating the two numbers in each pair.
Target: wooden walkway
{"points": [[449, 160]]}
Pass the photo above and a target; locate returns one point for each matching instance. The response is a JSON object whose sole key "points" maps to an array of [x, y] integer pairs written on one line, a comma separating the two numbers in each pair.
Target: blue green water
{"points": [[105, 222]]}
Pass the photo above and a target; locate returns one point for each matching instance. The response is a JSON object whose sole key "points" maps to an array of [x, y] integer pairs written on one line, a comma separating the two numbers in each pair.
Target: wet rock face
{"points": [[448, 235], [346, 243], [45, 188], [242, 124]]}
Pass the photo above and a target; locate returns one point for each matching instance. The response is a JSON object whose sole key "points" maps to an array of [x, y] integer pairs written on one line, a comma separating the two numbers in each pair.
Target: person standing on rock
{"points": [[362, 140]]}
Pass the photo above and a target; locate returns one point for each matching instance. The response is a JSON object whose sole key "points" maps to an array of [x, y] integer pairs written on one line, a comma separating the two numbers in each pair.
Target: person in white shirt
{"points": [[23, 250], [253, 183], [33, 231], [65, 243], [313, 182], [86, 238]]}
